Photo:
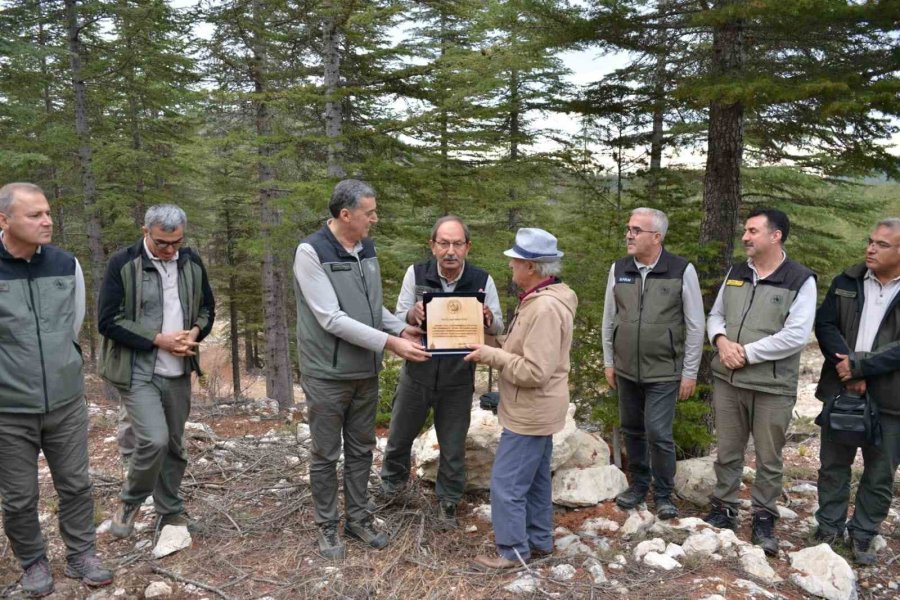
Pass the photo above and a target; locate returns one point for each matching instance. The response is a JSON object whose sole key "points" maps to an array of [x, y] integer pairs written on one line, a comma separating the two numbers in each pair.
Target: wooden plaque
{"points": [[453, 322]]}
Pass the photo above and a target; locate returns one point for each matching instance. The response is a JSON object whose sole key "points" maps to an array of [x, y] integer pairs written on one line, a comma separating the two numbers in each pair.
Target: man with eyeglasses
{"points": [[155, 307], [857, 327], [652, 340], [445, 384], [759, 324]]}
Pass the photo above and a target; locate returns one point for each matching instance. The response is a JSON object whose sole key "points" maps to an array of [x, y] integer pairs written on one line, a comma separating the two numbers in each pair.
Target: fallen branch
{"points": [[176, 577]]}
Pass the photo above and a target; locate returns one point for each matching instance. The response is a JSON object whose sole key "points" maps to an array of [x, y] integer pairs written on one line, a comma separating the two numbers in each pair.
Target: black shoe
{"points": [[385, 494], [862, 552], [832, 539], [446, 517], [89, 570], [37, 580], [631, 497], [665, 509], [123, 522], [330, 544], [764, 532], [722, 516], [365, 531], [182, 519]]}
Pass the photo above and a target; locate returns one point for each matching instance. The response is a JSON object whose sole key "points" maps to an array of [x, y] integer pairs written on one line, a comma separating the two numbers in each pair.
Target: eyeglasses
{"points": [[879, 244], [455, 245], [162, 245], [636, 231]]}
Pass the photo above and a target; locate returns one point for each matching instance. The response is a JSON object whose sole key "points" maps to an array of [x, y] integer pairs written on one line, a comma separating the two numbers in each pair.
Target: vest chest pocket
{"points": [[769, 310], [55, 299]]}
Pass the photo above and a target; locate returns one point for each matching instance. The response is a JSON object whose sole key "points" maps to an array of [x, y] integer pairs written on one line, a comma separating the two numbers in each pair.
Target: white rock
{"points": [[748, 474], [566, 541], [560, 531], [753, 590], [675, 551], [823, 573], [471, 529], [660, 561], [141, 544], [525, 584], [877, 544], [596, 571], [172, 539], [804, 488], [158, 589], [119, 592], [597, 524], [482, 513], [578, 549], [563, 572], [728, 539], [304, 435], [620, 559], [637, 523], [753, 562], [198, 430], [702, 543], [713, 597], [481, 446], [109, 439], [745, 503], [590, 451], [104, 527], [654, 545], [786, 513], [587, 487], [695, 479], [689, 523]]}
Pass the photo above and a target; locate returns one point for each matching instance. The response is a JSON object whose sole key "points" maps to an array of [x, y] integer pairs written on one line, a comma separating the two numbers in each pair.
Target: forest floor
{"points": [[247, 485]]}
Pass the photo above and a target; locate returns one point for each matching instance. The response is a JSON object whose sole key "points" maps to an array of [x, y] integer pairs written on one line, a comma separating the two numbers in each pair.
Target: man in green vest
{"points": [[343, 330], [155, 307], [42, 407], [761, 320], [652, 340]]}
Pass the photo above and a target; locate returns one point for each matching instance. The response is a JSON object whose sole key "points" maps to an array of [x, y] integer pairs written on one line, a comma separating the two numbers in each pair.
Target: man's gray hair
{"points": [[8, 194], [347, 194], [449, 219], [167, 217], [892, 223], [660, 220], [549, 268]]}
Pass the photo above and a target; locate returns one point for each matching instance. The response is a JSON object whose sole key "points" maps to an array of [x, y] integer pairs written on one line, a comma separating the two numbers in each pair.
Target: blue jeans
{"points": [[521, 496]]}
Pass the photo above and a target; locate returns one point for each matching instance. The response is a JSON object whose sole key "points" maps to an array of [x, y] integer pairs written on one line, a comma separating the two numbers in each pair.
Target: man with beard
{"points": [[761, 320]]}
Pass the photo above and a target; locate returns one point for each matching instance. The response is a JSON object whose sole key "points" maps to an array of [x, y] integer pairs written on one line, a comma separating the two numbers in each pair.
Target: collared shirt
{"points": [[407, 297], [167, 364], [692, 303], [878, 297], [79, 292], [791, 338], [324, 304]]}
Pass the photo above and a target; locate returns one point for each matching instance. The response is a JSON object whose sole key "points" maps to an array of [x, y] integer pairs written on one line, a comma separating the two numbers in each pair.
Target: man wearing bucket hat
{"points": [[652, 340], [533, 362]]}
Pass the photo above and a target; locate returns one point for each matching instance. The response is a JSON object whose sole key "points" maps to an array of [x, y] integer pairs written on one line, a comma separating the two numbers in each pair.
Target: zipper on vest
{"points": [[640, 325], [37, 328], [741, 326], [337, 341]]}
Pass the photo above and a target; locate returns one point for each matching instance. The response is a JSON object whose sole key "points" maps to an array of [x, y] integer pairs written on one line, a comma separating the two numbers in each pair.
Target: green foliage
{"points": [[387, 385]]}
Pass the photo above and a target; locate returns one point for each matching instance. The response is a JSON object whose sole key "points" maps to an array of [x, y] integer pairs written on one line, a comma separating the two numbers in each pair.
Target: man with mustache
{"points": [[761, 320], [858, 326], [652, 339], [446, 384]]}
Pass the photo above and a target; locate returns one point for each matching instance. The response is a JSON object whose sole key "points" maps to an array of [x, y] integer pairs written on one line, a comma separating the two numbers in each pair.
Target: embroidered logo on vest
{"points": [[625, 279]]}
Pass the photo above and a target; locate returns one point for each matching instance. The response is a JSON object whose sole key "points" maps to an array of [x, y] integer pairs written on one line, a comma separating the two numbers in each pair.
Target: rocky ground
{"points": [[248, 486]]}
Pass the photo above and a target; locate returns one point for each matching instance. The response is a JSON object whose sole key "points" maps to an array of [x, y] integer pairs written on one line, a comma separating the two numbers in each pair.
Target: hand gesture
{"points": [[843, 367], [731, 353], [416, 314], [686, 388], [407, 349], [610, 377]]}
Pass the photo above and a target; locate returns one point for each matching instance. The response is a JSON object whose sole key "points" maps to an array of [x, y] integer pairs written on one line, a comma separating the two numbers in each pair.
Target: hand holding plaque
{"points": [[454, 321]]}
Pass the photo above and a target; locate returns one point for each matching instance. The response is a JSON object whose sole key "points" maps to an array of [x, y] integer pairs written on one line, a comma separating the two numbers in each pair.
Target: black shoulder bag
{"points": [[851, 420]]}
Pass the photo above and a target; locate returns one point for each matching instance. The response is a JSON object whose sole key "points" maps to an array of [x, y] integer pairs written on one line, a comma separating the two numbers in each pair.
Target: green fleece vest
{"points": [[40, 362], [753, 312], [648, 338], [357, 284]]}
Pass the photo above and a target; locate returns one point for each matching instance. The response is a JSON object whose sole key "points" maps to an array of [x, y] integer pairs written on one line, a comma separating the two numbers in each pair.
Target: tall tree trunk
{"points": [[444, 120], [233, 333], [331, 59], [249, 353], [85, 158], [659, 107], [59, 219], [279, 383], [514, 212], [722, 182]]}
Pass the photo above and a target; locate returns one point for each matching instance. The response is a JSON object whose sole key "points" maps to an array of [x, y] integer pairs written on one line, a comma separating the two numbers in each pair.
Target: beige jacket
{"points": [[533, 361]]}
